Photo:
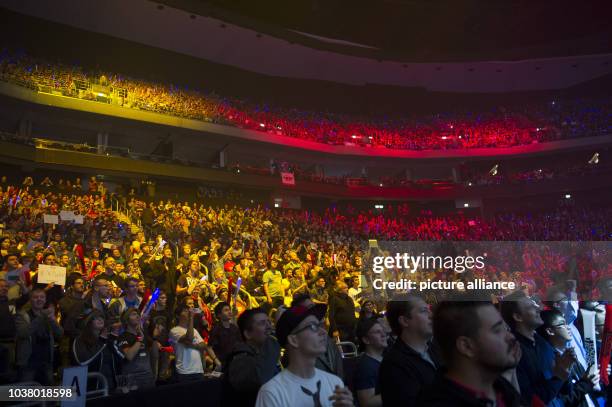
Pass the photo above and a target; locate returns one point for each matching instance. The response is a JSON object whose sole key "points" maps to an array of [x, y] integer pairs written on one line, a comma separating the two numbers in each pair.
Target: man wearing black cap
{"points": [[331, 360], [301, 331]]}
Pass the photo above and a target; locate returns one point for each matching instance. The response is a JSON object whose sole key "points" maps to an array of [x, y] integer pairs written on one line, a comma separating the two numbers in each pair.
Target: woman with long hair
{"points": [[94, 348]]}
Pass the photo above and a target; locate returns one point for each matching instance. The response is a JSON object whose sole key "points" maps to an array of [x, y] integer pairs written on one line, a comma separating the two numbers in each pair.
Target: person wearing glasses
{"points": [[560, 300], [576, 391], [537, 382], [301, 331], [131, 299]]}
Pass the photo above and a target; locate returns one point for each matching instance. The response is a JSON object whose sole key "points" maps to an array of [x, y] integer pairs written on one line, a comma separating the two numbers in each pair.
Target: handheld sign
{"points": [[66, 215], [51, 219], [52, 274]]}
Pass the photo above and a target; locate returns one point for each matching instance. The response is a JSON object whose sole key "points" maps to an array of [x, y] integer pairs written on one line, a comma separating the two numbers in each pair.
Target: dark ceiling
{"points": [[427, 30]]}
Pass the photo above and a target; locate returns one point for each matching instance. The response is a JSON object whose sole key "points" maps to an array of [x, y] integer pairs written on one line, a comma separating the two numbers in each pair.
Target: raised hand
{"points": [[342, 397]]}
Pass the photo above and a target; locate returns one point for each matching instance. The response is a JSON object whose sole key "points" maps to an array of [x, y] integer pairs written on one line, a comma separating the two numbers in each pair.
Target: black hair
{"points": [[509, 306], [130, 280], [245, 320], [299, 298], [47, 254], [86, 335], [219, 307], [180, 308], [549, 317], [362, 330], [100, 277], [37, 290], [125, 315], [400, 305], [453, 319], [13, 253]]}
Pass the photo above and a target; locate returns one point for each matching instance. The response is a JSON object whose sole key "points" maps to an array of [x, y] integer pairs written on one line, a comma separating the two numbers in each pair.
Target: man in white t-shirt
{"points": [[188, 346], [301, 331]]}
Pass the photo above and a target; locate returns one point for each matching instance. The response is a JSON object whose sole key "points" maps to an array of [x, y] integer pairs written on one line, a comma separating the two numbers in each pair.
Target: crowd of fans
{"points": [[470, 177], [499, 127], [498, 176], [238, 287]]}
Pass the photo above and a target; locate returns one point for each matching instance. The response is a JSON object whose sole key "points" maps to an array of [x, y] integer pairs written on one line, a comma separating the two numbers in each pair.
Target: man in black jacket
{"points": [[477, 348], [99, 298], [579, 390], [7, 335], [72, 306], [408, 366], [342, 319], [109, 272], [252, 362], [147, 218], [166, 276], [522, 314], [36, 333], [145, 262]]}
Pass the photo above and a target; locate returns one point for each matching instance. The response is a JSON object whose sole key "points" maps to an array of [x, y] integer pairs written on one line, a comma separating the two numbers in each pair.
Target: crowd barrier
{"points": [[204, 393]]}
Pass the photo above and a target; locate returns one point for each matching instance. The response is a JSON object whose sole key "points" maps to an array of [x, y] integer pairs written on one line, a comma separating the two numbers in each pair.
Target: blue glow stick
{"points": [[238, 283], [152, 301]]}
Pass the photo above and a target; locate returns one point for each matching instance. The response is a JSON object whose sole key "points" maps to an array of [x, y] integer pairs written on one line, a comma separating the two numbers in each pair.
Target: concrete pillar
{"points": [[102, 142], [25, 129], [456, 175], [408, 174]]}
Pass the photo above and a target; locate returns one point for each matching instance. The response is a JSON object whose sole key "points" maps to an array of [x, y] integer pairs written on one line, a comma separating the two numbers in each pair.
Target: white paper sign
{"points": [[75, 377], [51, 274], [78, 219], [107, 245], [51, 219], [67, 215]]}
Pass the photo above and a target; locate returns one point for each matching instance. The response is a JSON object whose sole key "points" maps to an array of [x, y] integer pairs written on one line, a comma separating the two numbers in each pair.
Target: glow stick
{"points": [[152, 301]]}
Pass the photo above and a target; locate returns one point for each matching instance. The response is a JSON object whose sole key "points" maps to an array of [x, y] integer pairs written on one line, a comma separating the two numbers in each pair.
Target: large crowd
{"points": [[498, 127], [497, 175], [198, 288]]}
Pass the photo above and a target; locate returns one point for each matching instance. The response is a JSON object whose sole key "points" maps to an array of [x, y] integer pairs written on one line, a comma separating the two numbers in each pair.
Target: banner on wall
{"points": [[288, 178]]}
